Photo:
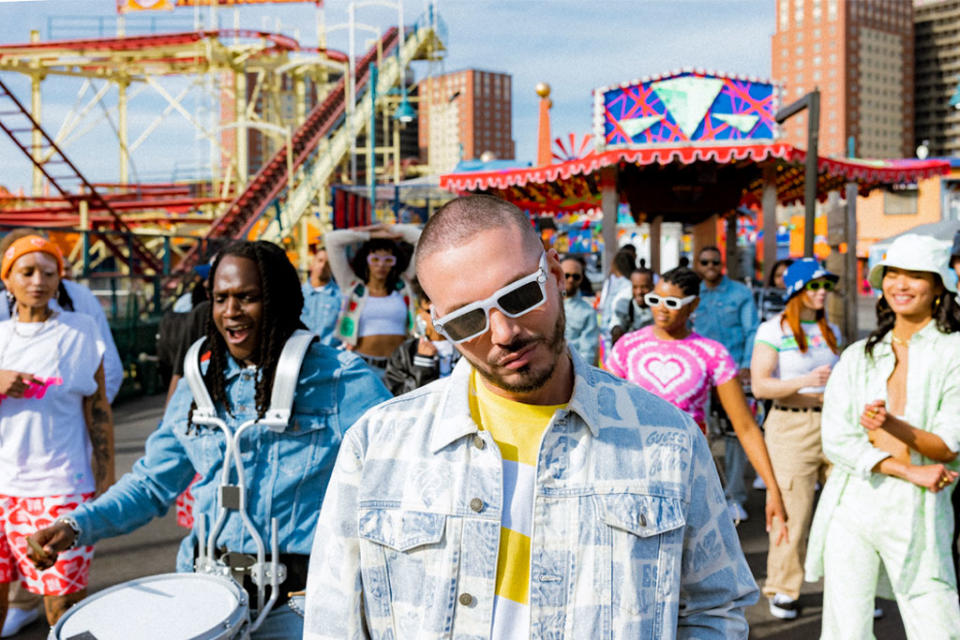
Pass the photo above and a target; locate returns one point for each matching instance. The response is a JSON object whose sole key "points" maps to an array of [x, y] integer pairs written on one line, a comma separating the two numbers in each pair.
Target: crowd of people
{"points": [[481, 445]]}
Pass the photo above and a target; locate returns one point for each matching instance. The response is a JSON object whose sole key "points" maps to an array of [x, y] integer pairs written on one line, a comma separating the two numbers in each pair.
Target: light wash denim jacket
{"points": [[631, 538], [582, 332], [286, 473], [321, 308], [728, 315]]}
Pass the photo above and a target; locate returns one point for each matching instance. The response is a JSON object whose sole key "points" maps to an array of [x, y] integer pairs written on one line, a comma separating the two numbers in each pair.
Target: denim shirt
{"points": [[286, 473], [728, 315], [630, 539], [581, 332], [320, 310]]}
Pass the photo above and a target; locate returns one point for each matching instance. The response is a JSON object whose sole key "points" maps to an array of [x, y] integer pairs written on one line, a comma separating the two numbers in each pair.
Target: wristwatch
{"points": [[72, 523]]}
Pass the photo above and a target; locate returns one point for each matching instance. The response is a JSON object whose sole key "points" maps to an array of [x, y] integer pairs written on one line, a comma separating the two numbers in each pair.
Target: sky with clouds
{"points": [[575, 46]]}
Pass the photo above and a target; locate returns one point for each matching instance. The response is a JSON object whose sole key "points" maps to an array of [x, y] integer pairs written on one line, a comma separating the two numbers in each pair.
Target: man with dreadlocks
{"points": [[255, 307]]}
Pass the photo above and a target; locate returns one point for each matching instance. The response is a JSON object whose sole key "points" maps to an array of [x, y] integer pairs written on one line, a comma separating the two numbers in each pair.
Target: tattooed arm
{"points": [[99, 418]]}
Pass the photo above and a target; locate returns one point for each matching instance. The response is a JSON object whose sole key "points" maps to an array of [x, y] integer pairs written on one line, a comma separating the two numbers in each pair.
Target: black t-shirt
{"points": [[180, 330]]}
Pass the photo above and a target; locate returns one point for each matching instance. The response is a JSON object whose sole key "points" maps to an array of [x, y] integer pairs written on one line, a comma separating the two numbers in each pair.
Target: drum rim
{"points": [[226, 626]]}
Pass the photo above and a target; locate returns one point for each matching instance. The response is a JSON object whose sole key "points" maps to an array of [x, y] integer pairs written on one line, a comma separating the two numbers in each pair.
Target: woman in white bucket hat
{"points": [[891, 428]]}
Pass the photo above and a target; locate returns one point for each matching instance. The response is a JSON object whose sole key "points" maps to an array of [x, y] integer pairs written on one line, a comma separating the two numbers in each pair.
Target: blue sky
{"points": [[575, 46]]}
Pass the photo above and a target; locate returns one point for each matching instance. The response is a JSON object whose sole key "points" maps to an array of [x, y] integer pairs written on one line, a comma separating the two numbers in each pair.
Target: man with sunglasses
{"points": [[582, 331], [728, 315], [528, 494]]}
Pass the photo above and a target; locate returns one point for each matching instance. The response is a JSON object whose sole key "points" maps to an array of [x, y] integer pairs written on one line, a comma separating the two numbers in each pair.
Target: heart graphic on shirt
{"points": [[666, 372]]}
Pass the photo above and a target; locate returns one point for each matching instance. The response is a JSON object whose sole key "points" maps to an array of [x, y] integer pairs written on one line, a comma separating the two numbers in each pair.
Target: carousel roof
{"points": [[574, 185]]}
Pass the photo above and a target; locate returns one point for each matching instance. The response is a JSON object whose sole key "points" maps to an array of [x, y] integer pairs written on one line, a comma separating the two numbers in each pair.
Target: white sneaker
{"points": [[759, 484], [17, 619], [781, 606], [737, 513]]}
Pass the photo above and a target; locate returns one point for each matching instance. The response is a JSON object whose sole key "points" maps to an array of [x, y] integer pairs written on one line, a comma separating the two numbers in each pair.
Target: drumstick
{"points": [[294, 594], [37, 549]]}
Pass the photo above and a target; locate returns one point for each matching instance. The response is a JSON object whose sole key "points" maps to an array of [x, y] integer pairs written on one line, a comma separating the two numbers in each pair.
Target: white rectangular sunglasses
{"points": [[514, 300]]}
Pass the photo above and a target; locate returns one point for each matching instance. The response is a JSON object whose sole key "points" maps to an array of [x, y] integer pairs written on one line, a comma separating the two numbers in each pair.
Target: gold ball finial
{"points": [[543, 89]]}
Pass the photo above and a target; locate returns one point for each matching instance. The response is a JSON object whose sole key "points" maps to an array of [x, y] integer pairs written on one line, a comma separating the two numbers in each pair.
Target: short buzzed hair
{"points": [[710, 247], [460, 220]]}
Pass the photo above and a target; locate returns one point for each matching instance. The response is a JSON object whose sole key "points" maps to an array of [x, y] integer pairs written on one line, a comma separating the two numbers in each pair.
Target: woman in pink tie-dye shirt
{"points": [[679, 365]]}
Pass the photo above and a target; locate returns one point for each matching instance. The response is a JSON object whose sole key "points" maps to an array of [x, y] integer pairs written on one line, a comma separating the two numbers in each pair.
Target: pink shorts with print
{"points": [[185, 505], [20, 517]]}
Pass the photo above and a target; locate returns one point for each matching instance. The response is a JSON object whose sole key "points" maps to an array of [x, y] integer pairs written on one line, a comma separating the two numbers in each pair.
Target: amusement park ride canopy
{"points": [[683, 147], [686, 183]]}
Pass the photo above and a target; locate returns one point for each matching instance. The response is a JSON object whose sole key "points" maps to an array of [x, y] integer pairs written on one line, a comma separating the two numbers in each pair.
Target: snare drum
{"points": [[170, 606]]}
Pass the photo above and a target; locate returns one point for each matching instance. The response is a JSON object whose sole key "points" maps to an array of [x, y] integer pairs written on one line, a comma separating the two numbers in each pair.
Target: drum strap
{"points": [[241, 570], [284, 380]]}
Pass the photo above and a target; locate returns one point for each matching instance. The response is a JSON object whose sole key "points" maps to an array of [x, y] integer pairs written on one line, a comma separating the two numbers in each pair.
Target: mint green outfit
{"points": [[874, 534]]}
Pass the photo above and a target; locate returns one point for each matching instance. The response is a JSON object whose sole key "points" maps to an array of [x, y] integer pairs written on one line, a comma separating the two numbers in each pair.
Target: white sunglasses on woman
{"points": [[514, 300], [653, 300]]}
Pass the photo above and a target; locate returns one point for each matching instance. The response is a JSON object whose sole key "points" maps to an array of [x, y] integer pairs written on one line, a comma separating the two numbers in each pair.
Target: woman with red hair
{"points": [[793, 354]]}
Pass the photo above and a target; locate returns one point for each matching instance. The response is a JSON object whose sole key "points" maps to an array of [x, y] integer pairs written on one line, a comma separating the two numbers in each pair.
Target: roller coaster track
{"points": [[330, 121], [16, 122], [301, 196]]}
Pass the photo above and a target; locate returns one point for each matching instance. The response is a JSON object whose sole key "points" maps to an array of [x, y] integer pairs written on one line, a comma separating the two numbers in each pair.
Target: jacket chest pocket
{"points": [[727, 314], [642, 539], [205, 448], [409, 565]]}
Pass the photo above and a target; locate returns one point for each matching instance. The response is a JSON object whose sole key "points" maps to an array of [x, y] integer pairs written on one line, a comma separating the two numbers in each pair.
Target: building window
{"points": [[900, 202]]}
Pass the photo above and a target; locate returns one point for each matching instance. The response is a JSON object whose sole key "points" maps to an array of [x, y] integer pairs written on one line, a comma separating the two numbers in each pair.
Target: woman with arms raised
{"points": [[378, 304]]}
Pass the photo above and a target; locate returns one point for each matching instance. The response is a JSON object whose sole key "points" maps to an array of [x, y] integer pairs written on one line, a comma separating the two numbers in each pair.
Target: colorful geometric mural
{"points": [[688, 106]]}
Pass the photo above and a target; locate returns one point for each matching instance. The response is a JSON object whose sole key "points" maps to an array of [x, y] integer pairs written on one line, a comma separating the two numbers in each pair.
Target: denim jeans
{"points": [[283, 623], [735, 464]]}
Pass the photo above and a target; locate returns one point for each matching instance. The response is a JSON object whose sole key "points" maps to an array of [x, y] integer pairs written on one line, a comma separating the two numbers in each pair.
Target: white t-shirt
{"points": [[85, 302], [44, 445], [791, 362]]}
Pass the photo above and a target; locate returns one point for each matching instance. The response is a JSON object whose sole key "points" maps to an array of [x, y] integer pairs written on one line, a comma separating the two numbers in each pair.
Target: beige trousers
{"points": [[793, 441]]}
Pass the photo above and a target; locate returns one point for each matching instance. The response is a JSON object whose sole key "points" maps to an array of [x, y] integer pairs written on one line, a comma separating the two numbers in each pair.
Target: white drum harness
{"points": [[232, 497]]}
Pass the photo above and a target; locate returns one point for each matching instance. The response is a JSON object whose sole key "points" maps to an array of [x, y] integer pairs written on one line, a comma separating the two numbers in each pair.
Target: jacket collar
{"points": [[233, 369], [455, 421], [722, 286]]}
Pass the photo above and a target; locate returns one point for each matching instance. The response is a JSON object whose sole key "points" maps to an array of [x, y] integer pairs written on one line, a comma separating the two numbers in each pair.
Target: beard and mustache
{"points": [[529, 377]]}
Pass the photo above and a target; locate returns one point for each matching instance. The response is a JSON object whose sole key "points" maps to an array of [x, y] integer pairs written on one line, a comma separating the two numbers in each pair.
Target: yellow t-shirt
{"points": [[517, 429]]}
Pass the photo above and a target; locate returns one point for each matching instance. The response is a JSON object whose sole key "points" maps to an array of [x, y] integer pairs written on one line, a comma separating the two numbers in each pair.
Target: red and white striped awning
{"points": [[574, 184]]}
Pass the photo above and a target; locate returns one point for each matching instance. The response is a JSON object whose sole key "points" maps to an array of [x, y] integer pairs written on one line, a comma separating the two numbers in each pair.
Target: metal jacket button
{"points": [[476, 504], [478, 442], [466, 599]]}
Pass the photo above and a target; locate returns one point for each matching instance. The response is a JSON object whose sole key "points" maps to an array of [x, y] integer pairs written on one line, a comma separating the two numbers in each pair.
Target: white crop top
{"points": [[383, 316], [791, 363]]}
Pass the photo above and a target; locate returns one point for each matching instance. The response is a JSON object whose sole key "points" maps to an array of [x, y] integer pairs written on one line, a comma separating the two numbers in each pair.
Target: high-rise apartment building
{"points": [[936, 26], [859, 53], [463, 115]]}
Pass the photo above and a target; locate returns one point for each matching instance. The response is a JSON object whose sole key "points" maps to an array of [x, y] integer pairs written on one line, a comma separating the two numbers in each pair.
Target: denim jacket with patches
{"points": [[630, 538], [286, 472]]}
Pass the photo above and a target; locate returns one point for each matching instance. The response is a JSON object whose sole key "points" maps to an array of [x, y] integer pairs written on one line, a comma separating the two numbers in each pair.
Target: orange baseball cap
{"points": [[29, 244]]}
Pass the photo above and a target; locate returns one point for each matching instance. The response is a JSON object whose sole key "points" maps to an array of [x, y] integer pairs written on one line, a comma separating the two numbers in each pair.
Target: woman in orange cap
{"points": [[56, 428]]}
